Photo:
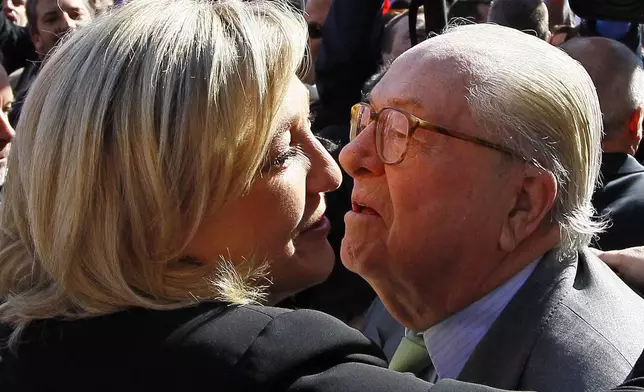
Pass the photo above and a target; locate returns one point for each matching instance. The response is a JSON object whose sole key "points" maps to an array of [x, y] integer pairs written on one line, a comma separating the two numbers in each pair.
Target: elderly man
{"points": [[474, 163], [619, 79]]}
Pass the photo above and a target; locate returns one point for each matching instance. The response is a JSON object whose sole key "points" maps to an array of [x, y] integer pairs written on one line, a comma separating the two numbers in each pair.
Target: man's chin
{"points": [[362, 257]]}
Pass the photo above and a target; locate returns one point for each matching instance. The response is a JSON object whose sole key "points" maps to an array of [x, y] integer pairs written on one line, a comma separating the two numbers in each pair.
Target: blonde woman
{"points": [[164, 180]]}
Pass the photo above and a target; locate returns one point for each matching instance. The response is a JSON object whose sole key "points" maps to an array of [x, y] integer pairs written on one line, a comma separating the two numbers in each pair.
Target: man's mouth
{"points": [[363, 209]]}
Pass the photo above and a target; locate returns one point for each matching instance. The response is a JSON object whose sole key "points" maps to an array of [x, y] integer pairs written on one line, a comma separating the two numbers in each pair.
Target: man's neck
{"points": [[540, 242]]}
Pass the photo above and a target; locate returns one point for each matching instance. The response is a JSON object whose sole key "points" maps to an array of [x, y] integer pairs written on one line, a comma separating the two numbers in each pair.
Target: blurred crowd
{"points": [[320, 195]]}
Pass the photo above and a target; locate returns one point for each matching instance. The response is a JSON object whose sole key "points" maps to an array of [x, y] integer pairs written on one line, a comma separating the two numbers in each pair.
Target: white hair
{"points": [[539, 102]]}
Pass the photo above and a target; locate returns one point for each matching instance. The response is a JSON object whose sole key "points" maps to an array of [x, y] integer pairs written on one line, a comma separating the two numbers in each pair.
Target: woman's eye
{"points": [[285, 156], [281, 159]]}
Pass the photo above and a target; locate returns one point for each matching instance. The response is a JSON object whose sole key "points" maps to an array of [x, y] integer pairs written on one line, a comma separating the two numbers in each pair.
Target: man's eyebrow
{"points": [[410, 101]]}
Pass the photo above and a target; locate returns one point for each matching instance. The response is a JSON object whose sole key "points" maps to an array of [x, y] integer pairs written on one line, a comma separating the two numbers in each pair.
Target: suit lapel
{"points": [[501, 356]]}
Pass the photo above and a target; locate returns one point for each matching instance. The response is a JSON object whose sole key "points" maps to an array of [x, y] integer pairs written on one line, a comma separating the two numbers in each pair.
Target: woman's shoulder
{"points": [[236, 348], [257, 334]]}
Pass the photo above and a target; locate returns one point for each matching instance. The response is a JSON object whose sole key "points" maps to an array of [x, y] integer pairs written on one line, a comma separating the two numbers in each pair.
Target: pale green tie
{"points": [[411, 354]]}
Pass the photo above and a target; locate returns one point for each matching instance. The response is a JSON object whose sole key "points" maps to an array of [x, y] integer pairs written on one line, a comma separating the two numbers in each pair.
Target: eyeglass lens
{"points": [[391, 132]]}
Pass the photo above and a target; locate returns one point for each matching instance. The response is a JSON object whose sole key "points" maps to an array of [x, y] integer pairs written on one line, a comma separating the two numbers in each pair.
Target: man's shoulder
{"points": [[602, 302], [593, 337], [573, 325]]}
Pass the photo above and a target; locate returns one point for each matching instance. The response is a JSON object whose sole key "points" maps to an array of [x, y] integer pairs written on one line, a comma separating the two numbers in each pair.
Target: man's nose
{"points": [[360, 157], [68, 23]]}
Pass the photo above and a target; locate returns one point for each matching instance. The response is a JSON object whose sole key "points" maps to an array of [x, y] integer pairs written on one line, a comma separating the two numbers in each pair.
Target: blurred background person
{"points": [[315, 13], [6, 130], [49, 22], [15, 11], [396, 38], [560, 14], [619, 80], [529, 16], [475, 11], [100, 6]]}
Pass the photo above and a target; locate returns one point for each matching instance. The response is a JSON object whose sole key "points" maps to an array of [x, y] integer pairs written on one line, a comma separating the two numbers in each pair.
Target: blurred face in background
{"points": [[54, 19], [15, 11], [6, 131], [401, 40], [484, 10], [101, 5], [315, 13]]}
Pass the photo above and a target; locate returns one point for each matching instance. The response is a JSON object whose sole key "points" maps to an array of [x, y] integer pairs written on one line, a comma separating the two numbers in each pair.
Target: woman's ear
{"points": [[532, 203]]}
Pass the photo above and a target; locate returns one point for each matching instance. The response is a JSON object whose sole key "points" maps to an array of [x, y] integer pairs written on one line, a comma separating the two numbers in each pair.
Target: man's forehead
{"points": [[433, 84]]}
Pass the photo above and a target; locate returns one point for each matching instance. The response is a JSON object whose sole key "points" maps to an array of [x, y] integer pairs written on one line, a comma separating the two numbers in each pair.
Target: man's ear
{"points": [[635, 127], [532, 203]]}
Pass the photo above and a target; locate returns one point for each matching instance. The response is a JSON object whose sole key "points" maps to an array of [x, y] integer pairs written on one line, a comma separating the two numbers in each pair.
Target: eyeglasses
{"points": [[315, 30], [395, 128]]}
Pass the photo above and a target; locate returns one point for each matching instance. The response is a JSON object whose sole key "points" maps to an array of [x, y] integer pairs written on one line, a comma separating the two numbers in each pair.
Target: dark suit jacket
{"points": [[573, 326], [15, 45], [383, 329], [621, 198], [210, 347]]}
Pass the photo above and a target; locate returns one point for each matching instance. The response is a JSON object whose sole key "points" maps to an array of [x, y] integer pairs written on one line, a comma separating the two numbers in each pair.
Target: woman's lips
{"points": [[319, 228]]}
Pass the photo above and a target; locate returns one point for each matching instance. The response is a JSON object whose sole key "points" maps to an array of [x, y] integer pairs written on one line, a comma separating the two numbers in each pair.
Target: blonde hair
{"points": [[139, 125], [541, 103]]}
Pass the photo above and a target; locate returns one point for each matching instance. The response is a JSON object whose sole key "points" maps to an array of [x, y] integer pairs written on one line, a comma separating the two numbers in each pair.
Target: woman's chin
{"points": [[308, 267]]}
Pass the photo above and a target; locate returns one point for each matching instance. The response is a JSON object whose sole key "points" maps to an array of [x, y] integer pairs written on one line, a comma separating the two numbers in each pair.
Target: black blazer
{"points": [[621, 198], [209, 347]]}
